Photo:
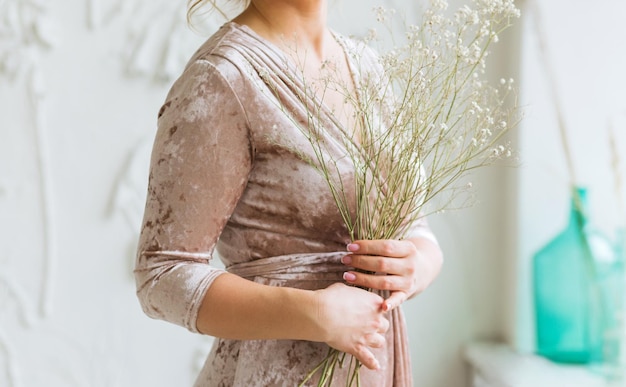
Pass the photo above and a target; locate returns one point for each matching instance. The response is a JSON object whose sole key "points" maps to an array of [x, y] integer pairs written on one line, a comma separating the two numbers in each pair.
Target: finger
{"points": [[395, 299], [384, 324], [376, 264], [385, 248], [366, 357], [376, 340], [379, 282]]}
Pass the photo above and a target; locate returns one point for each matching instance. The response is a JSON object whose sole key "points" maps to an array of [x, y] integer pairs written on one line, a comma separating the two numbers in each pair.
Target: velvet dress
{"points": [[231, 177]]}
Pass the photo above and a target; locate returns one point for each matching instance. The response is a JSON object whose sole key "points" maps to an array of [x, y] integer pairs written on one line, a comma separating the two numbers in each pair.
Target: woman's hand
{"points": [[404, 267], [353, 321]]}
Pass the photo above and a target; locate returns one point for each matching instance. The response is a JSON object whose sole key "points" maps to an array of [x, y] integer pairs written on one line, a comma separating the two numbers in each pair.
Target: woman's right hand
{"points": [[352, 321]]}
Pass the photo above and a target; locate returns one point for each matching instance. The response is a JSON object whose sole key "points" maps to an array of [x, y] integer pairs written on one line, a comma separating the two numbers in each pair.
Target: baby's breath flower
{"points": [[439, 4], [477, 107], [442, 116], [371, 35], [264, 74], [383, 14]]}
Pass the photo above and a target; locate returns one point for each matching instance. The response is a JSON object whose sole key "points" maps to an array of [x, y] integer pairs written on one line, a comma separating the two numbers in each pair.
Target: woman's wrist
{"points": [[236, 308], [304, 308]]}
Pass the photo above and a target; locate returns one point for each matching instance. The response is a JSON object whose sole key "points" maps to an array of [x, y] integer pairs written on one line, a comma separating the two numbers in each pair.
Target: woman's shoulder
{"points": [[232, 53], [216, 65], [238, 46], [219, 52]]}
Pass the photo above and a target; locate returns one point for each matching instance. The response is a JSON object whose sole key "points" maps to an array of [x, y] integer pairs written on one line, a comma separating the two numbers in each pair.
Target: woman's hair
{"points": [[193, 6]]}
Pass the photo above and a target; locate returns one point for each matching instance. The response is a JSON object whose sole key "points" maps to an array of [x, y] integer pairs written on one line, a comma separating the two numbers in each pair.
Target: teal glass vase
{"points": [[570, 275]]}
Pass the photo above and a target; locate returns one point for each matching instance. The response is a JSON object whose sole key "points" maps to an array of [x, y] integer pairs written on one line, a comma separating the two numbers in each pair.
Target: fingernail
{"points": [[353, 247], [346, 260], [386, 307], [349, 276]]}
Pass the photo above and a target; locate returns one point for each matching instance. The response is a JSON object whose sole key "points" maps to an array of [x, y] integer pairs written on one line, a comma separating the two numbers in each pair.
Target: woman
{"points": [[228, 174]]}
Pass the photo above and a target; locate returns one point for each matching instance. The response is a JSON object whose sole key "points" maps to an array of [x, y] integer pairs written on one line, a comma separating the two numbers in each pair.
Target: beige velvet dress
{"points": [[228, 175]]}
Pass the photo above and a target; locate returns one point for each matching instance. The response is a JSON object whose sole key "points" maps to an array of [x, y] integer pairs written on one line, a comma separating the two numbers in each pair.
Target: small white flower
{"points": [[372, 34], [440, 4]]}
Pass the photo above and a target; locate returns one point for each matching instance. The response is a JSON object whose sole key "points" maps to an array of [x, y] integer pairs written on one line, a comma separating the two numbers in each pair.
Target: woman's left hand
{"points": [[403, 267]]}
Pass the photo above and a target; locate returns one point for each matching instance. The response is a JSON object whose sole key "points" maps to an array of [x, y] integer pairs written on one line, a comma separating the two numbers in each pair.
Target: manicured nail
{"points": [[346, 260], [349, 276], [386, 306], [353, 247]]}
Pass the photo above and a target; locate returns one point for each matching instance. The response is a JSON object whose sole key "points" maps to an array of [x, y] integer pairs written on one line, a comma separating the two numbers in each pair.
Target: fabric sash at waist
{"points": [[302, 267]]}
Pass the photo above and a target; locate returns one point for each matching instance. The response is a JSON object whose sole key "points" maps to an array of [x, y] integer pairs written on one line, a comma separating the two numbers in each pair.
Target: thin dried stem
{"points": [[617, 175]]}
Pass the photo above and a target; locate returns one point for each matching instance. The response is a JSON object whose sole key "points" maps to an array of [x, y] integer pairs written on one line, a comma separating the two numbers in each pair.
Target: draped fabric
{"points": [[231, 176]]}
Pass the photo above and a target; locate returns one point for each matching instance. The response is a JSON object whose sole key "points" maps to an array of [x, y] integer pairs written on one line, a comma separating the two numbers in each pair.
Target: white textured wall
{"points": [[81, 82], [78, 101]]}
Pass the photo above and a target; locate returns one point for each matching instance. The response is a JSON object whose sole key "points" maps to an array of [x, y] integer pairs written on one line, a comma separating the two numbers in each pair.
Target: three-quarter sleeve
{"points": [[201, 159], [421, 229]]}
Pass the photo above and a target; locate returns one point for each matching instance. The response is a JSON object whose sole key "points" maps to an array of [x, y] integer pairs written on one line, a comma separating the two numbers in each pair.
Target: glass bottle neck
{"points": [[579, 212]]}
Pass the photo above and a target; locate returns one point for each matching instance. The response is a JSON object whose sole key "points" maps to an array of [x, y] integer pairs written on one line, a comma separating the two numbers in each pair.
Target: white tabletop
{"points": [[497, 365]]}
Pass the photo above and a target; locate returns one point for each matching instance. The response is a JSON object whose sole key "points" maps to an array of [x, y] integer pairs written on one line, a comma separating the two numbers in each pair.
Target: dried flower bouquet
{"points": [[425, 120]]}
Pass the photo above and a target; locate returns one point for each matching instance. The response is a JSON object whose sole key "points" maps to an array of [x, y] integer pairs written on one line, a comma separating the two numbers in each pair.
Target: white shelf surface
{"points": [[497, 365]]}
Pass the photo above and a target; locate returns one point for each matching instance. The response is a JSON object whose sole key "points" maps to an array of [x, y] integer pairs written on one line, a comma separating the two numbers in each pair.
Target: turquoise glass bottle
{"points": [[571, 307]]}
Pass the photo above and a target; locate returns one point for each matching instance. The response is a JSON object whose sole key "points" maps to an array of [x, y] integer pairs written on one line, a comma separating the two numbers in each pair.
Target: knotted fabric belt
{"points": [[317, 271], [299, 267]]}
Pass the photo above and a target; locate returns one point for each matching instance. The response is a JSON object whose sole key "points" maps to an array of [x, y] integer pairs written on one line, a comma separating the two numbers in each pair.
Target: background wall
{"points": [[586, 56], [81, 82]]}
